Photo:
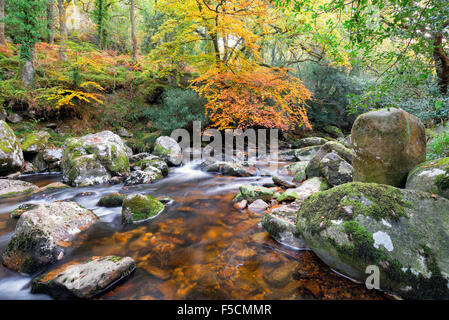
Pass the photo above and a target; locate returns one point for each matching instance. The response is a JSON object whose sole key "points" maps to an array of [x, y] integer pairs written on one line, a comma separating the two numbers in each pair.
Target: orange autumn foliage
{"points": [[267, 97]]}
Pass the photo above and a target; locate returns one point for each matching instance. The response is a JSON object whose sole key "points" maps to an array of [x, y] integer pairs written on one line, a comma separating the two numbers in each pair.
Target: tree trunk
{"points": [[27, 72], [2, 24], [133, 32], [441, 59], [50, 16], [62, 30]]}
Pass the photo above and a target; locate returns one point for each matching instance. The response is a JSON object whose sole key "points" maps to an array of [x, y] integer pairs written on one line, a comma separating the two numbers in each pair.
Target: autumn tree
{"points": [[27, 31], [222, 41]]}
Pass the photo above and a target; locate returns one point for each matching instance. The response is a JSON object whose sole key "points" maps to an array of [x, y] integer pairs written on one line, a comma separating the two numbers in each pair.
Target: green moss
{"points": [[111, 200], [141, 207], [115, 258], [373, 200]]}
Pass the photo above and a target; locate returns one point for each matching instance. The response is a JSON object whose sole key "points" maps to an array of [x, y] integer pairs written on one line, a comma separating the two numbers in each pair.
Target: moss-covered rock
{"points": [[11, 155], [313, 167], [252, 193], [309, 142], [168, 149], [288, 195], [335, 169], [301, 154], [152, 161], [387, 145], [94, 158], [430, 176], [147, 176], [138, 208], [43, 232], [85, 280], [111, 200], [334, 131], [403, 232], [11, 188], [35, 142]]}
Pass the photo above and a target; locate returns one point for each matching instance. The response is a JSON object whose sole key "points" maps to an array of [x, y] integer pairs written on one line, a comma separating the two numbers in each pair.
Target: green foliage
{"points": [[180, 107], [25, 24], [438, 146], [331, 88]]}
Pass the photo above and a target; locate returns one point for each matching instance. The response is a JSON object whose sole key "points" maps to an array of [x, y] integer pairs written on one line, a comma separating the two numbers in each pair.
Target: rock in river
{"points": [[43, 232], [138, 208], [405, 233], [252, 193], [11, 155], [10, 188], [85, 280], [169, 150], [387, 145], [94, 159]]}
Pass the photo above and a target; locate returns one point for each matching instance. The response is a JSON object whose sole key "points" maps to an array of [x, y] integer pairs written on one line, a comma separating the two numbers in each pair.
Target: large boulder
{"points": [[138, 208], [35, 142], [335, 169], [94, 158], [85, 280], [49, 159], [430, 176], [43, 232], [11, 188], [313, 168], [405, 233], [388, 143], [169, 150], [11, 155]]}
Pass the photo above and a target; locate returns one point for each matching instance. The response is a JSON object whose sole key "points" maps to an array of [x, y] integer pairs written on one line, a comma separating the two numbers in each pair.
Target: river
{"points": [[200, 247]]}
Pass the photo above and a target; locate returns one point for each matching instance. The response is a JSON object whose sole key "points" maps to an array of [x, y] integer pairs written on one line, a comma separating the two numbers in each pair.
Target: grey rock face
{"points": [[11, 155]]}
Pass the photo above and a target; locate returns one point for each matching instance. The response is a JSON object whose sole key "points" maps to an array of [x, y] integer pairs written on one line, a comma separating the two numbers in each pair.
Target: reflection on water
{"points": [[200, 247]]}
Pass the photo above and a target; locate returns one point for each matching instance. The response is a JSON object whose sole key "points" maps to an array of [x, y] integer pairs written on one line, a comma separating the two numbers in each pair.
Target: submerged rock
{"points": [[43, 232], [11, 155], [94, 159], [11, 188], [85, 280], [111, 200], [335, 169], [387, 145], [405, 233], [430, 176], [138, 208], [169, 150]]}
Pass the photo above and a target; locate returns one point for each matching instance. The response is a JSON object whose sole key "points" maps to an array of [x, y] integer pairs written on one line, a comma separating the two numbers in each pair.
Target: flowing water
{"points": [[200, 247]]}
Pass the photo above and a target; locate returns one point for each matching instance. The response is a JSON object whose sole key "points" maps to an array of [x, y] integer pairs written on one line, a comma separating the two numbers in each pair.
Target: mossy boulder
{"points": [[405, 233], [147, 176], [308, 142], [252, 193], [111, 200], [169, 150], [313, 168], [85, 280], [11, 188], [35, 142], [94, 158], [11, 155], [288, 195], [431, 176], [138, 208], [388, 143], [43, 233], [152, 161]]}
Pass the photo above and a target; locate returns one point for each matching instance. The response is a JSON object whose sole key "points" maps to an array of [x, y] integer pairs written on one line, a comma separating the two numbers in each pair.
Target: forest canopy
{"points": [[274, 64]]}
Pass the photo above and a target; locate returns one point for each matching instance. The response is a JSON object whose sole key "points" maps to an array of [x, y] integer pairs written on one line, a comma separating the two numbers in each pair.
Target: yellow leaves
{"points": [[66, 97]]}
